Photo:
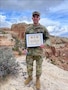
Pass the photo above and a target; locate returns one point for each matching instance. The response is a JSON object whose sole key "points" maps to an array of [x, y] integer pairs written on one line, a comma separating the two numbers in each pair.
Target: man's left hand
{"points": [[42, 46]]}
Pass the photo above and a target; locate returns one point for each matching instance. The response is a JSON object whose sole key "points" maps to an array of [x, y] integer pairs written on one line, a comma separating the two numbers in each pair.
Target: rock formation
{"points": [[19, 29]]}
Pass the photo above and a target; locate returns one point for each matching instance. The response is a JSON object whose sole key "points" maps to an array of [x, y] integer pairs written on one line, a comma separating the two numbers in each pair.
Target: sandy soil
{"points": [[52, 78]]}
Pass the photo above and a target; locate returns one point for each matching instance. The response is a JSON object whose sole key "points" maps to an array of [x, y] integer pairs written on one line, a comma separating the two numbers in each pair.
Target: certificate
{"points": [[34, 40]]}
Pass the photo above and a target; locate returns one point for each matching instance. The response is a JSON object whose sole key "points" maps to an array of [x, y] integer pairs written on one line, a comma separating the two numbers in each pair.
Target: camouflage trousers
{"points": [[30, 60]]}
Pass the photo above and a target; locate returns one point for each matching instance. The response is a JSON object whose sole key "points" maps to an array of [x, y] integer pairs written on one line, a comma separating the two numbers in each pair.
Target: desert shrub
{"points": [[20, 53], [18, 45], [15, 48], [8, 64]]}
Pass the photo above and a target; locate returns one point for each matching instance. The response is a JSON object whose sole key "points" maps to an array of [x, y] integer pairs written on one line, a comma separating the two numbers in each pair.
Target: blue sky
{"points": [[54, 14]]}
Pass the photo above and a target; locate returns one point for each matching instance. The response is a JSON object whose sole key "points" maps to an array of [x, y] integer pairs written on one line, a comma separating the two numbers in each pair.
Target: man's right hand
{"points": [[25, 51]]}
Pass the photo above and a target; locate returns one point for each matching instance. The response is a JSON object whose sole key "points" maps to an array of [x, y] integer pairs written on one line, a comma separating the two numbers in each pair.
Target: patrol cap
{"points": [[35, 13]]}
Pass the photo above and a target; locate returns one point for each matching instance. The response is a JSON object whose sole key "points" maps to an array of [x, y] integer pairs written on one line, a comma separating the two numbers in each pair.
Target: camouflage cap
{"points": [[35, 13]]}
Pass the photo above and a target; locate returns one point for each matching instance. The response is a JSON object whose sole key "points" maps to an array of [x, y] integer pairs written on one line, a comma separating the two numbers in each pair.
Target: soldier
{"points": [[35, 53]]}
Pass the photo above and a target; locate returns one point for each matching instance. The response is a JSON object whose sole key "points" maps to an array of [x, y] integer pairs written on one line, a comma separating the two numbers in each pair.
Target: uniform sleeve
{"points": [[26, 32], [46, 37]]}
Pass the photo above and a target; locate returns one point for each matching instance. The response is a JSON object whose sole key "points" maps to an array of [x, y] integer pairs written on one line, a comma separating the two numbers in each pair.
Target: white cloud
{"points": [[57, 30], [2, 18], [51, 28], [3, 22], [47, 21], [63, 6], [28, 4], [21, 20]]}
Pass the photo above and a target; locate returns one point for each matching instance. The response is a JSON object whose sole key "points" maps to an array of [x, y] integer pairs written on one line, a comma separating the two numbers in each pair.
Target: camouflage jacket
{"points": [[37, 29]]}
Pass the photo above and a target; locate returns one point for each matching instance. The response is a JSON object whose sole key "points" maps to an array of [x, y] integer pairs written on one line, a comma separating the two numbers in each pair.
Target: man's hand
{"points": [[42, 46], [25, 51]]}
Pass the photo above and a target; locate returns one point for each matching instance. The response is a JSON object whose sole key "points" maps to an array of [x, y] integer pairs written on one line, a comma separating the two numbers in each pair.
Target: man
{"points": [[35, 53]]}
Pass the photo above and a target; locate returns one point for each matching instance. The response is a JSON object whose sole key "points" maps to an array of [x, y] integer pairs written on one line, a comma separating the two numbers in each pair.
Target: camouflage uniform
{"points": [[35, 53]]}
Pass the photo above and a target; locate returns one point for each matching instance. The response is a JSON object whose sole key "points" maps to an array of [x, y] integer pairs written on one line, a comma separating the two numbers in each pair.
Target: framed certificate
{"points": [[34, 40]]}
